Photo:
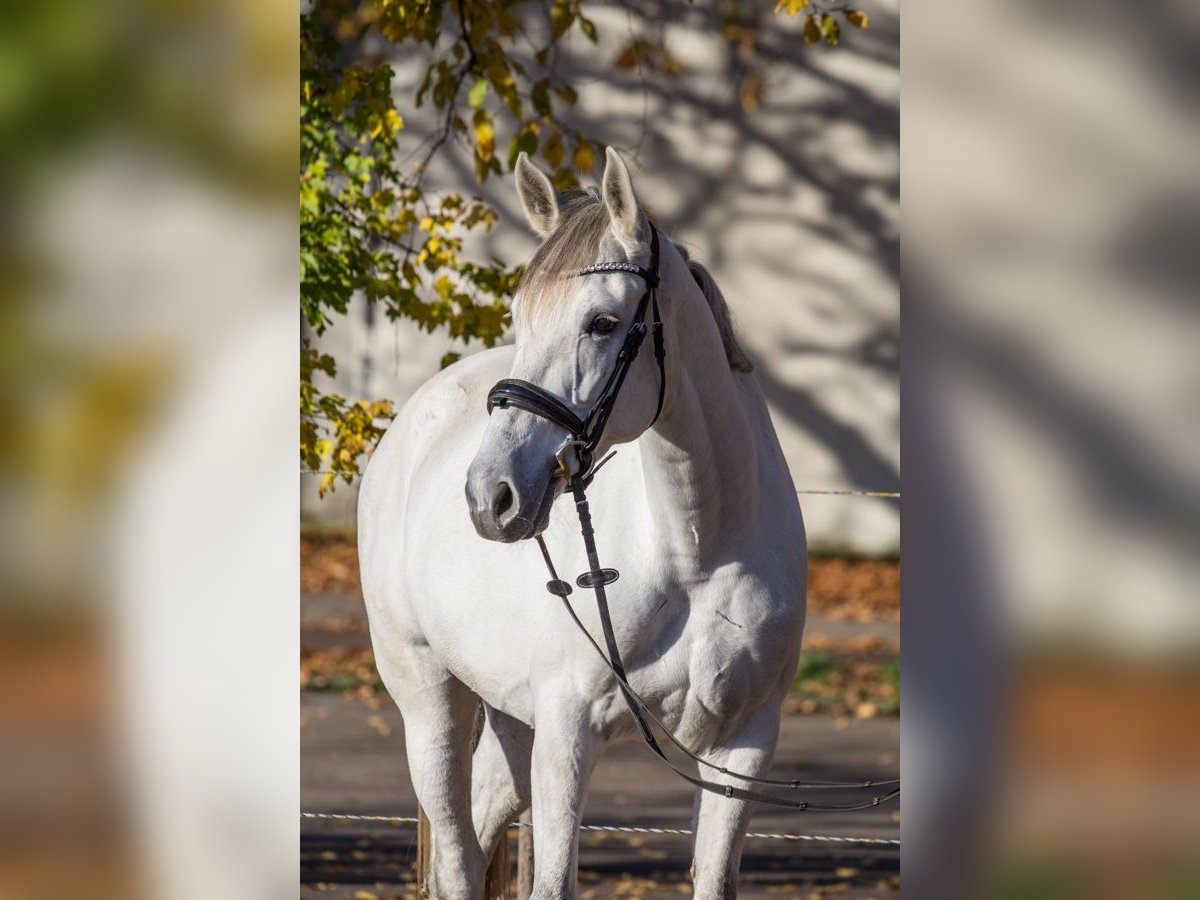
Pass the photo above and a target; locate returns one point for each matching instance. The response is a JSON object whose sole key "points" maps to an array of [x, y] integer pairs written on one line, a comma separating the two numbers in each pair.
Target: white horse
{"points": [[698, 513]]}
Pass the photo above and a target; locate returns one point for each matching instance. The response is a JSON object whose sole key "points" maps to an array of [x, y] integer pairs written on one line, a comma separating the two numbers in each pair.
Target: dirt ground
{"points": [[842, 724]]}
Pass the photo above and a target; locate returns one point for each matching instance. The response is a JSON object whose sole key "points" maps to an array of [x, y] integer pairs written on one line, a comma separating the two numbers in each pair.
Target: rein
{"points": [[586, 434]]}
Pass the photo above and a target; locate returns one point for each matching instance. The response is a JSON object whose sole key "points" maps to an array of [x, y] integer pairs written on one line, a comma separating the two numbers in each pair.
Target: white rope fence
{"points": [[629, 829]]}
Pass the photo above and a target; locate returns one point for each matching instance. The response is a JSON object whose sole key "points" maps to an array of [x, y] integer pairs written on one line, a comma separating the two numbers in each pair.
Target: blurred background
{"points": [[150, 715]]}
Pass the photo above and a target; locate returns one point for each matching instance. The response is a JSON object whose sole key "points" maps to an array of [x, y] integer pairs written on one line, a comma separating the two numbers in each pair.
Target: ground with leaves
{"points": [[842, 723]]}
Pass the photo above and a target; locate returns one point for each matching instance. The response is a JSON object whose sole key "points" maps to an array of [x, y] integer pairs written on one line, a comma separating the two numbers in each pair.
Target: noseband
{"points": [[587, 431]]}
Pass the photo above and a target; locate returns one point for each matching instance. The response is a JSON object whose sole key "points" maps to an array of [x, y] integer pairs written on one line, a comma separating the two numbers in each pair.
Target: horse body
{"points": [[700, 517]]}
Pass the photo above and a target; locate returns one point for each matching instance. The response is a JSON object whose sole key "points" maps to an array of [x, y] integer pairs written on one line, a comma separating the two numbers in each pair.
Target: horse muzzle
{"points": [[507, 508]]}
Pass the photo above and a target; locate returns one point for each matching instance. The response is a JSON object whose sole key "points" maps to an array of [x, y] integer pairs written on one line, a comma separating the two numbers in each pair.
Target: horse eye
{"points": [[603, 324]]}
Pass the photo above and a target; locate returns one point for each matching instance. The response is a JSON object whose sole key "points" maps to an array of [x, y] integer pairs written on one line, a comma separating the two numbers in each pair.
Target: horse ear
{"points": [[627, 220], [539, 199]]}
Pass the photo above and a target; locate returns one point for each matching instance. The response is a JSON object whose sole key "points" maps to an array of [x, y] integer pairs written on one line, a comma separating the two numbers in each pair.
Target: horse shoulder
{"points": [[746, 633], [438, 415]]}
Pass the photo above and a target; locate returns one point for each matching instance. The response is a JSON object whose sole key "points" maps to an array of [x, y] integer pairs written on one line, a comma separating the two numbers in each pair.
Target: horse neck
{"points": [[700, 460]]}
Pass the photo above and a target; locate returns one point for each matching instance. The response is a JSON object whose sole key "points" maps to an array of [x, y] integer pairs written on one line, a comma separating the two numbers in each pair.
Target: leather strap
{"points": [[588, 431], [513, 392]]}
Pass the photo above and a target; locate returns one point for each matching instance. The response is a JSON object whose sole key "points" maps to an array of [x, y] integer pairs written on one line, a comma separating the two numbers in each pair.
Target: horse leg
{"points": [[500, 788], [720, 822], [566, 746], [439, 717]]}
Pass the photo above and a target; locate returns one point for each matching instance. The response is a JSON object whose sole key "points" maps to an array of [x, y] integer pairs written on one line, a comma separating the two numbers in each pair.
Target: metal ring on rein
{"points": [[585, 436]]}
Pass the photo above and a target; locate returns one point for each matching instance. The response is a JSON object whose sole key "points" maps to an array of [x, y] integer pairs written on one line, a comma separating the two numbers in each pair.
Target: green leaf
{"points": [[589, 28], [561, 18], [478, 91], [831, 29], [567, 93], [540, 95]]}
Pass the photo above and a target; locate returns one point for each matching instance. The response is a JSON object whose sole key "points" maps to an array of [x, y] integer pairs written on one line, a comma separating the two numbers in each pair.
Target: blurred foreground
{"points": [[1052, 490]]}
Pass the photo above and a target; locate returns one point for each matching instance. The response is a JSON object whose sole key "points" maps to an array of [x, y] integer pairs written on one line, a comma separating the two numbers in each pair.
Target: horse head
{"points": [[570, 334]]}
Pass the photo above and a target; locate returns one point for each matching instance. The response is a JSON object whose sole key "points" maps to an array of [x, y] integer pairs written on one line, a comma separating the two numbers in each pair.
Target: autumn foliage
{"points": [[370, 226]]}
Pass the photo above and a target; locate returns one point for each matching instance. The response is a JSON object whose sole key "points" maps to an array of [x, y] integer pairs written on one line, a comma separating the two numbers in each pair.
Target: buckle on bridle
{"points": [[562, 463]]}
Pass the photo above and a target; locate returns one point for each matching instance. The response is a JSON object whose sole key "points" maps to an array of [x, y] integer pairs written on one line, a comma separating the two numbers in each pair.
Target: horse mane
{"points": [[734, 354], [582, 223]]}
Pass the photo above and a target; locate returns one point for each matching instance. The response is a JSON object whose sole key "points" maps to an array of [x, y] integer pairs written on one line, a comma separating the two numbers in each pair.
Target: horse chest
{"points": [[710, 655]]}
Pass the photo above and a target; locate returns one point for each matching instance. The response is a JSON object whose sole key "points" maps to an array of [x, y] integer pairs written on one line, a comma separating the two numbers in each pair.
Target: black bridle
{"points": [[585, 435], [586, 432]]}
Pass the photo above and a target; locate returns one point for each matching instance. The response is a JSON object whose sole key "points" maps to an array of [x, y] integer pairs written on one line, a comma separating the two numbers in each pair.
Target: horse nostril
{"points": [[502, 500]]}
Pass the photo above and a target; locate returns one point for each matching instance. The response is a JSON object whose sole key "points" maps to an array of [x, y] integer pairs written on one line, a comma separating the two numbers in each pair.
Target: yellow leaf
{"points": [[779, 4], [426, 224], [553, 149], [485, 136], [585, 156], [751, 91], [629, 56], [365, 895], [795, 6]]}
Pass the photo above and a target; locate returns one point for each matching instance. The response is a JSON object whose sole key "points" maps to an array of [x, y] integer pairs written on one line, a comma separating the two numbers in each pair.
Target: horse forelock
{"points": [[574, 242]]}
